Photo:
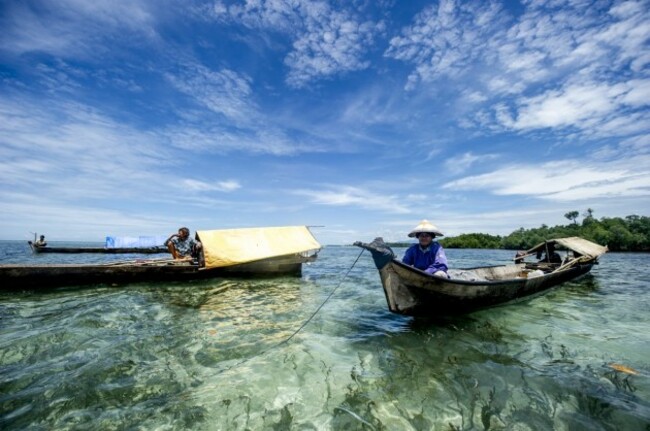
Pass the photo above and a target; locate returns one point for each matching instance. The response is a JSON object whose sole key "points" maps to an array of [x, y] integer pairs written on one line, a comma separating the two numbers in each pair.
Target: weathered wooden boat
{"points": [[249, 252], [410, 291], [105, 250]]}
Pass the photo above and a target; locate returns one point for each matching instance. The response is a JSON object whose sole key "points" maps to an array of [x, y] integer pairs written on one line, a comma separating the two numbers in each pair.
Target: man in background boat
{"points": [[427, 255], [182, 247], [550, 256], [40, 242]]}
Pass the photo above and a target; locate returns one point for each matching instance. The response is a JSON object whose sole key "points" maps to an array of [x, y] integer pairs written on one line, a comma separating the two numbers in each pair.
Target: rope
{"points": [[286, 340], [320, 306]]}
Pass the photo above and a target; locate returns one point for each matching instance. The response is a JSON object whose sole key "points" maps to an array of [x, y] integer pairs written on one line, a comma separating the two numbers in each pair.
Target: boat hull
{"points": [[48, 276], [412, 292]]}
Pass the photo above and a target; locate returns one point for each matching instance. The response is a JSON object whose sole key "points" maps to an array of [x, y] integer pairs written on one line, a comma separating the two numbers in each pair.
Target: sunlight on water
{"points": [[211, 354]]}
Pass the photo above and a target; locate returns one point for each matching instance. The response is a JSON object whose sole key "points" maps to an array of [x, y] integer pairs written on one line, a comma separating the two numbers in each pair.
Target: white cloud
{"points": [[239, 125], [571, 64], [446, 40], [325, 41], [580, 105], [71, 27], [224, 92], [60, 221], [260, 138], [464, 161], [596, 109], [569, 180], [76, 153], [355, 196], [333, 44], [219, 186]]}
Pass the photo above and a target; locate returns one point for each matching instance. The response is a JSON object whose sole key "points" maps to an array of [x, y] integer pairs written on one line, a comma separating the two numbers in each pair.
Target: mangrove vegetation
{"points": [[631, 233]]}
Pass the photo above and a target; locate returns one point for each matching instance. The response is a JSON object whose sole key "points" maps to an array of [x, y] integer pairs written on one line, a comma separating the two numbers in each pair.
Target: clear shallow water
{"points": [[209, 354]]}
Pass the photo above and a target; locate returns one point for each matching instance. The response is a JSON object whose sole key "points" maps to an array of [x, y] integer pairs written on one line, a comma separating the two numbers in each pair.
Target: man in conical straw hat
{"points": [[427, 255]]}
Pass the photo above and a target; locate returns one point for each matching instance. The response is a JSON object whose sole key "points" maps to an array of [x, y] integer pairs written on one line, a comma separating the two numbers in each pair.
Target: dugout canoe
{"points": [[412, 292], [105, 250], [57, 275], [250, 252]]}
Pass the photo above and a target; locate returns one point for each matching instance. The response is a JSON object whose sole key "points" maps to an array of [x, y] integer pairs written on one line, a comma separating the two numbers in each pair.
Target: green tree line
{"points": [[631, 233]]}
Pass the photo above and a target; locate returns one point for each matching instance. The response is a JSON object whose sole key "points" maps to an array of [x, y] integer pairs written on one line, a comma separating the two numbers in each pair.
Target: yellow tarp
{"points": [[226, 247]]}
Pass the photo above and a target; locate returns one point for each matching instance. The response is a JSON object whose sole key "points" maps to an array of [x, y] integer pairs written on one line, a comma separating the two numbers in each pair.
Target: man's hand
{"points": [[184, 259]]}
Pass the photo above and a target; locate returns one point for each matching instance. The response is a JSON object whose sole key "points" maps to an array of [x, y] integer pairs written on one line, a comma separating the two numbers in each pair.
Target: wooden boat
{"points": [[113, 245], [410, 291], [56, 275], [231, 252], [120, 250]]}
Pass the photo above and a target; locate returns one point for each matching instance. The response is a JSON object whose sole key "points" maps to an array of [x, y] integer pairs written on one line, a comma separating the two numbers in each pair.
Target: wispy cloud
{"points": [[446, 39], [60, 221], [256, 139], [548, 40], [354, 197], [76, 153], [233, 121], [120, 107], [220, 186], [566, 65], [71, 27], [224, 92], [596, 108], [569, 180], [463, 162], [325, 41]]}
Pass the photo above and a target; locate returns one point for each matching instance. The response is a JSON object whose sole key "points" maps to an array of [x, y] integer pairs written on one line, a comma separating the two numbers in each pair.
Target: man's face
{"points": [[425, 239], [183, 233]]}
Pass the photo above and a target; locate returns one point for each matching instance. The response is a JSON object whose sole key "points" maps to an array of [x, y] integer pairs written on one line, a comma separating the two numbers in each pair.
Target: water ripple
{"points": [[211, 354]]}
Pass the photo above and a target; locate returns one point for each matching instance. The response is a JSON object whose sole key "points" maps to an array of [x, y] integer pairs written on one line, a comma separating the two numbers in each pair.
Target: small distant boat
{"points": [[113, 245], [120, 250], [248, 252], [412, 292]]}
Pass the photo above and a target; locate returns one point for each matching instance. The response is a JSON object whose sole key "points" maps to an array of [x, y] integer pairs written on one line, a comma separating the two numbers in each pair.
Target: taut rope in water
{"points": [[321, 306], [285, 341]]}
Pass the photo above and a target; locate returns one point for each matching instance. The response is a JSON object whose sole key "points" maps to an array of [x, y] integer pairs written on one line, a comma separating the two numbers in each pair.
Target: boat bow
{"points": [[381, 252]]}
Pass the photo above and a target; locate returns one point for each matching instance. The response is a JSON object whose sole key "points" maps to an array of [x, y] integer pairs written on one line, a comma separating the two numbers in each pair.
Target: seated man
{"points": [[181, 246], [41, 242], [551, 255], [519, 256], [426, 255]]}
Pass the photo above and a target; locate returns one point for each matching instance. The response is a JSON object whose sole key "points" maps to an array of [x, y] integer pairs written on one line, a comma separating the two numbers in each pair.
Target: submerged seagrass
{"points": [[410, 291]]}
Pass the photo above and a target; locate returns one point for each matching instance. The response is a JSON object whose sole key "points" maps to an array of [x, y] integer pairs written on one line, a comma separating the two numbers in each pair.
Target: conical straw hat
{"points": [[425, 226]]}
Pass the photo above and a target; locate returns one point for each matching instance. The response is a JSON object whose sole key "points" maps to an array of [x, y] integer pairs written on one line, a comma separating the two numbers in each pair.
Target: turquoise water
{"points": [[211, 354]]}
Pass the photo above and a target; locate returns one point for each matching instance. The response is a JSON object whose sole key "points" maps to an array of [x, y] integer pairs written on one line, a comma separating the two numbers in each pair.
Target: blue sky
{"points": [[134, 117]]}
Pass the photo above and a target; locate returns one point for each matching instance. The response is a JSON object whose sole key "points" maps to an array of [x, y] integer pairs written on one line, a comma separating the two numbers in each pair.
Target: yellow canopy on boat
{"points": [[226, 247]]}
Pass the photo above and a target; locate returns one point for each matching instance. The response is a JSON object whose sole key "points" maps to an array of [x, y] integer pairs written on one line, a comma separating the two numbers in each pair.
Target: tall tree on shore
{"points": [[572, 215]]}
